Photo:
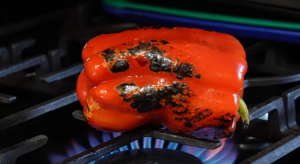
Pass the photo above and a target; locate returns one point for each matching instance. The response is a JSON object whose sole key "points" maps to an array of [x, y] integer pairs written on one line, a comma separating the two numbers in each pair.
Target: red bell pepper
{"points": [[187, 79]]}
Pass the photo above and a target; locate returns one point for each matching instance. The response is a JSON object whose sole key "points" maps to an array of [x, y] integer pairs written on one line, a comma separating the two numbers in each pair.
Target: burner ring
{"points": [[150, 156]]}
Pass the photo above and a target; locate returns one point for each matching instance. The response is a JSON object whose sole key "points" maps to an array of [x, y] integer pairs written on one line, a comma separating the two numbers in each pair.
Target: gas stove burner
{"points": [[132, 137], [150, 156], [41, 120]]}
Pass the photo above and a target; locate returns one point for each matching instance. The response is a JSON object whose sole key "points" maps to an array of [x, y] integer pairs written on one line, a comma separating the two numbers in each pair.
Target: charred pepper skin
{"points": [[187, 79]]}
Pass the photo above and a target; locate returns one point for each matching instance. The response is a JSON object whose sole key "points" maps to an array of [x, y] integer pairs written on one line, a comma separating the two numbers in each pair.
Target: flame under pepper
{"points": [[187, 79]]}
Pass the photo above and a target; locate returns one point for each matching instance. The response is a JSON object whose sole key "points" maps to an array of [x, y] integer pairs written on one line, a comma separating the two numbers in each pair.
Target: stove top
{"points": [[41, 120]]}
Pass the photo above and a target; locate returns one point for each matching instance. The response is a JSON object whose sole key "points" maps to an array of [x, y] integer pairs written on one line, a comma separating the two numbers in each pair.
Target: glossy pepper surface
{"points": [[190, 80]]}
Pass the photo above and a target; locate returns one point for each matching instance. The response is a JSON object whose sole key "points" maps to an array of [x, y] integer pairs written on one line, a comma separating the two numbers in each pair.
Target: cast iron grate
{"points": [[49, 69]]}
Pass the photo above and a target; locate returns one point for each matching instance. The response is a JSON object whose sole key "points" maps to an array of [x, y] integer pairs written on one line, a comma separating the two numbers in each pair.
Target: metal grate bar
{"points": [[268, 81], [17, 48], [55, 58], [35, 111], [186, 139], [40, 60], [78, 114], [104, 148], [277, 126], [289, 98], [10, 155], [67, 72], [7, 98], [276, 151]]}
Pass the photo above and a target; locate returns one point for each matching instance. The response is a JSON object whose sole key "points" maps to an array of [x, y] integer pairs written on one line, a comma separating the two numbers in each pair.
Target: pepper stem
{"points": [[244, 113]]}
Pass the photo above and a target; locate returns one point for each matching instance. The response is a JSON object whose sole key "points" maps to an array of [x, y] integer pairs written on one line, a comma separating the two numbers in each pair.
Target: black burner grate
{"points": [[46, 82]]}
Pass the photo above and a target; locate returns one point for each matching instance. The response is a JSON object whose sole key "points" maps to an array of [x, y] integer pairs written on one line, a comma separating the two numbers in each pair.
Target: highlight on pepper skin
{"points": [[186, 79]]}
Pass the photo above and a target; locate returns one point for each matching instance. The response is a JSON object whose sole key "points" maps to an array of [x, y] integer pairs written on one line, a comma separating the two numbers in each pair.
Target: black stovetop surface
{"points": [[43, 99]]}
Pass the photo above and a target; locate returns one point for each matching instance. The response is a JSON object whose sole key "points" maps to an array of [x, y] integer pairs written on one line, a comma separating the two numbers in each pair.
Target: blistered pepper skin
{"points": [[187, 79]]}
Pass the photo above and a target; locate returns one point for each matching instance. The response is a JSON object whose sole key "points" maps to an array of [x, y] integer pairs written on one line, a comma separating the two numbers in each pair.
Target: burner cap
{"points": [[150, 156]]}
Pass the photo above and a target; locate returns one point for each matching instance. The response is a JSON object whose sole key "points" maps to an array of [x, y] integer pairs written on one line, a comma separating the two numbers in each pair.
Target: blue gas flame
{"points": [[147, 142], [106, 136], [172, 146], [159, 143], [76, 148], [135, 145], [93, 141], [225, 154]]}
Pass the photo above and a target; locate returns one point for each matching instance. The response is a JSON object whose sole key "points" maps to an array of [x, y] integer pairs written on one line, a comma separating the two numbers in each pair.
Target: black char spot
{"points": [[149, 98], [178, 119], [186, 118], [120, 66], [183, 100], [158, 61], [188, 124], [140, 48], [126, 88], [183, 70], [223, 120], [153, 40], [109, 55], [181, 112], [164, 42], [201, 115], [123, 53]]}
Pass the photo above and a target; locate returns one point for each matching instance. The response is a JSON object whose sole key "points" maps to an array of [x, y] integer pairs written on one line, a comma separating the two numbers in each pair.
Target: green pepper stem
{"points": [[243, 110]]}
